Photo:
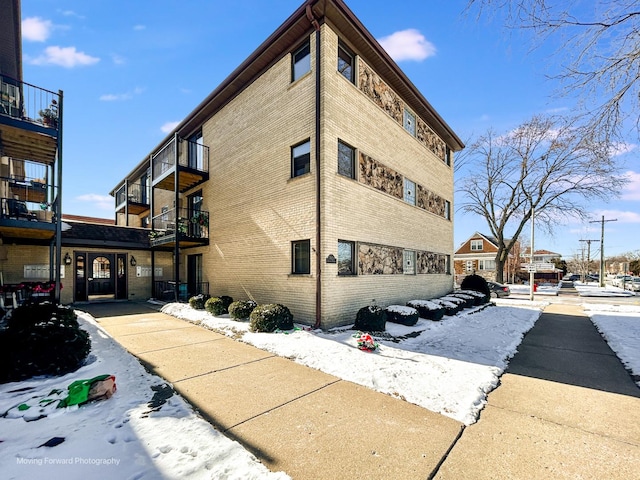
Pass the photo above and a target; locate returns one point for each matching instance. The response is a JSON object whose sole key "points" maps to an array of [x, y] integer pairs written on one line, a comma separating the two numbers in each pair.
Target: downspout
{"points": [[316, 25]]}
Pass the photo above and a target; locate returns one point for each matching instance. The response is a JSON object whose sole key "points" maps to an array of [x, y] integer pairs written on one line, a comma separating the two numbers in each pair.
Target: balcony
{"points": [[190, 229], [29, 121], [134, 197], [192, 160]]}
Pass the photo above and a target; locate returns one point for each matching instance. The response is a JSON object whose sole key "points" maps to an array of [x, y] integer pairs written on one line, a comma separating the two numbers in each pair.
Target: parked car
{"points": [[633, 285], [571, 278], [498, 290], [621, 280]]}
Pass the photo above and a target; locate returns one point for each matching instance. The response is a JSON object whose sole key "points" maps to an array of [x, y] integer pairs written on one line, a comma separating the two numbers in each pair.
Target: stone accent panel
{"points": [[379, 259], [380, 177], [429, 262], [430, 201], [377, 90]]}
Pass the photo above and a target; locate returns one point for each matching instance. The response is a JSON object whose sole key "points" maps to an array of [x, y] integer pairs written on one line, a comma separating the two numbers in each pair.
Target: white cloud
{"points": [[169, 126], [103, 202], [67, 57], [631, 190], [36, 29], [621, 148], [408, 45], [619, 215], [116, 97], [117, 59]]}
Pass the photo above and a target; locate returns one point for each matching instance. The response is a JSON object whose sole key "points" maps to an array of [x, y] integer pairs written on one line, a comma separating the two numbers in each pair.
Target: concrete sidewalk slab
{"points": [[348, 431], [235, 395], [187, 361], [511, 445], [603, 413], [158, 340], [150, 323]]}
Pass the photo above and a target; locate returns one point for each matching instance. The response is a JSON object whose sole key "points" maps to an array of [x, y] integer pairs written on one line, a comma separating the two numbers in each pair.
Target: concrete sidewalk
{"points": [[566, 408], [293, 418]]}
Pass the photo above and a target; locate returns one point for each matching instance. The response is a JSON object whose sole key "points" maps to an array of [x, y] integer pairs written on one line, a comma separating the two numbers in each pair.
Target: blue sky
{"points": [[130, 71]]}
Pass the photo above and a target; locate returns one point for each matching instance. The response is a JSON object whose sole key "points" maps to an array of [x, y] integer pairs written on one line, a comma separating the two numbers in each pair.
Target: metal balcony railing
{"points": [[191, 155], [23, 101], [137, 193], [183, 222]]}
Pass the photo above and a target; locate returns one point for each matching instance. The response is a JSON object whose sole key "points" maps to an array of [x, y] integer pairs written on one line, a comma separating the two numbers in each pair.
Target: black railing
{"points": [[12, 208], [192, 155], [166, 290], [27, 102], [181, 221], [137, 194]]}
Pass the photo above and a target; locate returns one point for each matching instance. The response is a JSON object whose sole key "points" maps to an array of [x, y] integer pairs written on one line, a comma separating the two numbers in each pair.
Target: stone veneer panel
{"points": [[379, 259], [429, 262], [430, 201], [377, 90], [380, 177]]}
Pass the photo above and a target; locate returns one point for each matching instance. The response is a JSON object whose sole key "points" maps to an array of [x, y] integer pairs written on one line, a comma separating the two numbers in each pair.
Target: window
{"points": [[301, 62], [346, 63], [447, 209], [346, 160], [409, 191], [301, 159], [409, 262], [301, 257], [448, 156], [486, 264], [469, 266], [476, 245], [346, 258], [196, 151], [409, 122]]}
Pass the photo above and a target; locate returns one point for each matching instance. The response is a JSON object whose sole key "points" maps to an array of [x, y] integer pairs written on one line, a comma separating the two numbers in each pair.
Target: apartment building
{"points": [[316, 175]]}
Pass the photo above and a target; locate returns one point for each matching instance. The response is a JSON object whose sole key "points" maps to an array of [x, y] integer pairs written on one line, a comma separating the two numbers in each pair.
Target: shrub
{"points": [[240, 310], [216, 306], [402, 315], [269, 317], [197, 302], [469, 300], [371, 319], [479, 297], [450, 308], [427, 309], [477, 283], [42, 339]]}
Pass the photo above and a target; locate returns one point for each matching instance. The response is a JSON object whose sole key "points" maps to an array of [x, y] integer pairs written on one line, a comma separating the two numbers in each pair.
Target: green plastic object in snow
{"points": [[79, 390]]}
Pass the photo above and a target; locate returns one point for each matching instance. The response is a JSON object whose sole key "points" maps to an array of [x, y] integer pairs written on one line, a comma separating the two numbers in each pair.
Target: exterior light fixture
{"points": [[133, 261], [67, 259]]}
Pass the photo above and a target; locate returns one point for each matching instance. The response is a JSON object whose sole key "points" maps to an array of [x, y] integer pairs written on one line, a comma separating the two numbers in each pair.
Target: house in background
{"points": [[477, 255], [316, 175]]}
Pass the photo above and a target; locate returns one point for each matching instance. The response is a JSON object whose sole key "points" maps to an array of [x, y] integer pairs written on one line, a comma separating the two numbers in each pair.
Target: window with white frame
{"points": [[409, 191], [301, 159], [301, 62], [476, 245], [469, 266], [409, 262], [410, 122], [486, 265]]}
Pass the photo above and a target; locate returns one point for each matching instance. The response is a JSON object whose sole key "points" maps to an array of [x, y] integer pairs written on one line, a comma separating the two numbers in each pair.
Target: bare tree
{"points": [[546, 166], [599, 53]]}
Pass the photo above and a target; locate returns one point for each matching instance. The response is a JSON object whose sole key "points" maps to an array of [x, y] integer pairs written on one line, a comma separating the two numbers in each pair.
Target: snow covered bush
{"points": [[477, 283], [268, 318], [218, 305], [197, 302], [427, 309], [479, 297], [450, 308], [402, 315], [469, 300], [371, 319], [42, 339], [240, 309]]}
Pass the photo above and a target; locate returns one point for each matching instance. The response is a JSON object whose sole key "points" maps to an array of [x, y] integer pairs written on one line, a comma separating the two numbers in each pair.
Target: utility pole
{"points": [[602, 246], [588, 255]]}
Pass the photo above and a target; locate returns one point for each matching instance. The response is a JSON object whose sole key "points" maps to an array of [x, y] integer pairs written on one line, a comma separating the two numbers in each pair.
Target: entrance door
{"points": [[194, 275], [81, 278], [101, 275]]}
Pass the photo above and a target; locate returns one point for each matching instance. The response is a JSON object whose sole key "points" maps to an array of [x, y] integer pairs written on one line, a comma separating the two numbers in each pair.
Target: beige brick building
{"points": [[316, 176]]}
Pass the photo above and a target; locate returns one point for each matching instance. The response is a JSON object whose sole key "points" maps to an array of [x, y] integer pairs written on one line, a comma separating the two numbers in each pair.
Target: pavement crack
{"points": [[435, 470]]}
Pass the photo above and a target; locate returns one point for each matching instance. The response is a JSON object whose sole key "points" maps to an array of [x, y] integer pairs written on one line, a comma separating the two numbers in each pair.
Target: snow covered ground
{"points": [[454, 364]]}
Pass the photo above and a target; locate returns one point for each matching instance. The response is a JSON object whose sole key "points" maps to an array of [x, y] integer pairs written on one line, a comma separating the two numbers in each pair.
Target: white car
{"points": [[633, 285], [621, 280]]}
